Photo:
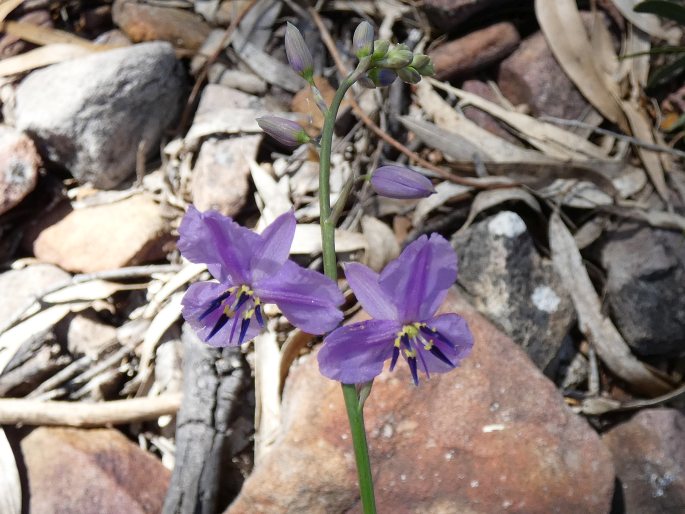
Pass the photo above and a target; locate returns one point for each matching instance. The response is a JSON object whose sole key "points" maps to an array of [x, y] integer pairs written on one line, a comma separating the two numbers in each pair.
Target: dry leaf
{"points": [[10, 486], [444, 192], [647, 22], [307, 240], [39, 57], [47, 36], [382, 245], [12, 339], [563, 28], [598, 329], [488, 199], [267, 392]]}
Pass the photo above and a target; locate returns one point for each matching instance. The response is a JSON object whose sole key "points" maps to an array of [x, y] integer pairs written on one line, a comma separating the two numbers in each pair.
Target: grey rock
{"points": [[646, 287], [649, 457], [19, 287], [19, 163], [505, 278], [90, 114]]}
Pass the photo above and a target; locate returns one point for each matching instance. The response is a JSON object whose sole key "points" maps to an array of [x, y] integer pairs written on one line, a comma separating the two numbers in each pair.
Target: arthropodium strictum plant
{"points": [[251, 270]]}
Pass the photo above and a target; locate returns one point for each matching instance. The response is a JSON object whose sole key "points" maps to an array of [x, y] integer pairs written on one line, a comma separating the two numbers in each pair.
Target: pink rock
{"points": [[482, 48], [102, 237], [532, 76], [86, 471], [492, 436], [649, 455], [222, 172]]}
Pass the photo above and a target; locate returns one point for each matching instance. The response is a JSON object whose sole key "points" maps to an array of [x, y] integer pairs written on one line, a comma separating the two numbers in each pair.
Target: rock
{"points": [[646, 287], [18, 287], [239, 79], [447, 14], [85, 471], [221, 174], [145, 22], [103, 237], [479, 49], [85, 334], [19, 163], [506, 280], [649, 457], [100, 108], [482, 118], [532, 76], [492, 436]]}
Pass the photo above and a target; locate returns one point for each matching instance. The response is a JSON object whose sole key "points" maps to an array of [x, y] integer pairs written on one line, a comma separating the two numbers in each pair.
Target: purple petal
{"points": [[453, 339], [307, 298], [364, 282], [195, 302], [400, 182], [269, 256], [419, 278], [218, 241], [355, 353]]}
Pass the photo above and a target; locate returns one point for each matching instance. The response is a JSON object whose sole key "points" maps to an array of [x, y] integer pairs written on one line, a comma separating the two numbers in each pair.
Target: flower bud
{"points": [[380, 48], [381, 77], [409, 75], [299, 56], [362, 41], [401, 183], [398, 57], [287, 132], [419, 61]]}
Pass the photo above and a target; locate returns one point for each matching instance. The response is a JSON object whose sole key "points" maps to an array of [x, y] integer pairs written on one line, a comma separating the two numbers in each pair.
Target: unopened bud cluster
{"points": [[388, 63]]}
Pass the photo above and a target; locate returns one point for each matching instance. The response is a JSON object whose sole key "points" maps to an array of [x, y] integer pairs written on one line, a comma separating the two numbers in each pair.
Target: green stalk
{"points": [[354, 409], [355, 415]]}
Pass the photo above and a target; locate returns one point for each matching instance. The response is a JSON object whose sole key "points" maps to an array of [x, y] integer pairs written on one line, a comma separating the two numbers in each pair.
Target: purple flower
{"points": [[285, 131], [251, 270], [400, 182], [402, 301], [299, 56]]}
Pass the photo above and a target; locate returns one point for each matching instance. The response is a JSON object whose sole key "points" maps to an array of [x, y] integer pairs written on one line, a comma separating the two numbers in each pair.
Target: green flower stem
{"points": [[328, 221], [355, 415]]}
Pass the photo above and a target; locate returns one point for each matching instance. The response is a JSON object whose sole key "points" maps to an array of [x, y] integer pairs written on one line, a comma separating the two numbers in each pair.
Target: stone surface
{"points": [[18, 287], [221, 174], [145, 22], [102, 237], [85, 334], [649, 457], [491, 436], [646, 287], [482, 118], [79, 471], [505, 278], [448, 14], [19, 163], [100, 108], [532, 76], [479, 49]]}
